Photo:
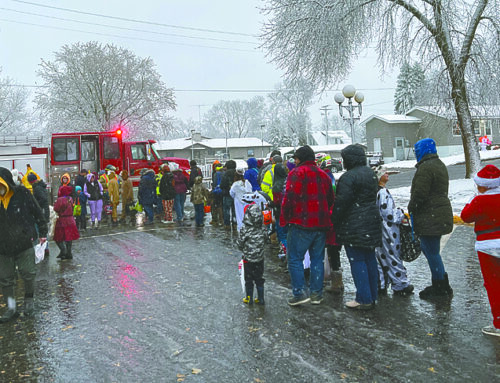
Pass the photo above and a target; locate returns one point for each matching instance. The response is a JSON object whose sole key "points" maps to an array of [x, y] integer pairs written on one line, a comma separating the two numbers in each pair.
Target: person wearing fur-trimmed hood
{"points": [[484, 210]]}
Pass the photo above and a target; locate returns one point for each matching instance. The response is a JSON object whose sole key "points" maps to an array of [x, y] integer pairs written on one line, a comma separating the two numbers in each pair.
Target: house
{"points": [[332, 150], [395, 135], [204, 149], [334, 137]]}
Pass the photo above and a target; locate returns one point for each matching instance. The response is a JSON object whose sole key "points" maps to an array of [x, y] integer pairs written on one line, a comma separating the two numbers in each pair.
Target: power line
{"points": [[133, 20], [126, 29], [126, 37]]}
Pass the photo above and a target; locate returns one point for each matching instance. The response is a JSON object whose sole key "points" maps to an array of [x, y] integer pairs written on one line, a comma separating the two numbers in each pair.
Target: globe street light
{"points": [[349, 92]]}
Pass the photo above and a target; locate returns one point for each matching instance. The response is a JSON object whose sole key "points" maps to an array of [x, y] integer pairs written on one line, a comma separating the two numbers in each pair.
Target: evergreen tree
{"points": [[409, 88]]}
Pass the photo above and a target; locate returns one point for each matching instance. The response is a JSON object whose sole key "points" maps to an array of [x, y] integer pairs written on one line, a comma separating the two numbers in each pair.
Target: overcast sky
{"points": [[193, 65]]}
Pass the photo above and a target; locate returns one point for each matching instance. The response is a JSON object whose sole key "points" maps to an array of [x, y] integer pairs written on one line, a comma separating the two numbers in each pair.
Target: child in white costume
{"points": [[238, 189]]}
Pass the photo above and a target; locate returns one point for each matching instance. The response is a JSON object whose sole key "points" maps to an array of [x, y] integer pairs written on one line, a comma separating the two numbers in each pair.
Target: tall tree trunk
{"points": [[464, 117]]}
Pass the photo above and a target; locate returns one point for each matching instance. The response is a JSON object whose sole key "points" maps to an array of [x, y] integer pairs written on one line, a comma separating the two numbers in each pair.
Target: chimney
{"points": [[196, 136]]}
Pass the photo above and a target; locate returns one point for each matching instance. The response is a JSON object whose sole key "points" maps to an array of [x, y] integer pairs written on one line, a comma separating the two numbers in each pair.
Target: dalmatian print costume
{"points": [[390, 266]]}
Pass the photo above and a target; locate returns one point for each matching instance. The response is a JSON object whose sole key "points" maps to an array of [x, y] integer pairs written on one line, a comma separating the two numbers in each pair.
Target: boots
{"points": [[68, 255], [62, 248], [249, 297], [29, 306], [11, 312], [336, 283], [260, 296], [439, 288]]}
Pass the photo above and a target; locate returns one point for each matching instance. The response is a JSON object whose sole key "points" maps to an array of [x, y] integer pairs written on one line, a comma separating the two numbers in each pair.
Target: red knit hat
{"points": [[489, 177]]}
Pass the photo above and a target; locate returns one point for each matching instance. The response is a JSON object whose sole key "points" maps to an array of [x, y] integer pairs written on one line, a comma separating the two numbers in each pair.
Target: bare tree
{"points": [[91, 87], [243, 116], [321, 39], [14, 115]]}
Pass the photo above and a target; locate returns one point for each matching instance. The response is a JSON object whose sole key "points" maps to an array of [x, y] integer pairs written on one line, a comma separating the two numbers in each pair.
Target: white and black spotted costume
{"points": [[390, 265]]}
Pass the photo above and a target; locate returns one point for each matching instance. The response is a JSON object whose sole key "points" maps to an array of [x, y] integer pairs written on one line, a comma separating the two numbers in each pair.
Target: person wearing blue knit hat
{"points": [[432, 214]]}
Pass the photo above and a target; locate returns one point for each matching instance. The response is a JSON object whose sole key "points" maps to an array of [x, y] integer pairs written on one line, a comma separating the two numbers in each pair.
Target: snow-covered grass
{"points": [[451, 160]]}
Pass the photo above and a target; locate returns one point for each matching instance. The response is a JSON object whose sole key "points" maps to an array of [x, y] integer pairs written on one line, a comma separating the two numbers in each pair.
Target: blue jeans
{"points": [[281, 232], [299, 241], [430, 245], [148, 209], [364, 272], [179, 201], [199, 213], [228, 209]]}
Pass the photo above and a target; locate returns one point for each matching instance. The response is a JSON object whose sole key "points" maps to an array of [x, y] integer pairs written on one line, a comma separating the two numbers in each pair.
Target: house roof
{"points": [[214, 143], [316, 148], [320, 136], [393, 119], [477, 111]]}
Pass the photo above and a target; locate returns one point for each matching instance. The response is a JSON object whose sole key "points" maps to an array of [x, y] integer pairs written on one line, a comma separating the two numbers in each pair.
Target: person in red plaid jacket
{"points": [[306, 210]]}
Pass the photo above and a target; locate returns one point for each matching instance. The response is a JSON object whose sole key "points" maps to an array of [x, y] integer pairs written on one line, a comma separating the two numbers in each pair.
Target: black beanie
{"points": [[304, 153]]}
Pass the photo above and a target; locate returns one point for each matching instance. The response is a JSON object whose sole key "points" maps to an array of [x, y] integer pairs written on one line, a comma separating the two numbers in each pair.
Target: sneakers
{"points": [[360, 306], [406, 291], [164, 221], [316, 299], [11, 312], [295, 301], [490, 330]]}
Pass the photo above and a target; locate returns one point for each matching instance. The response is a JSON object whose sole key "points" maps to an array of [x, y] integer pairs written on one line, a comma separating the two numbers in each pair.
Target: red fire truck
{"points": [[93, 151]]}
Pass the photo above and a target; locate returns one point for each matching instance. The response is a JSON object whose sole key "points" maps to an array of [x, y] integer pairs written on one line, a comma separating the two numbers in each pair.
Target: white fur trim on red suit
{"points": [[487, 182]]}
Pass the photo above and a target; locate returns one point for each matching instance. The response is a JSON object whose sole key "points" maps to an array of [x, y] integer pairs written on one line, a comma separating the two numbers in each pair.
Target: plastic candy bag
{"points": [[40, 252]]}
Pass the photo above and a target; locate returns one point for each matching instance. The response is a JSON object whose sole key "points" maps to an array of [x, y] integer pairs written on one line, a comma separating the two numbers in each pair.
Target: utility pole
{"points": [[325, 109]]}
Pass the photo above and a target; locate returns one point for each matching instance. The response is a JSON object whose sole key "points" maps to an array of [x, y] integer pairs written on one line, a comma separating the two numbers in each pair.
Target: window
{"points": [[475, 127], [88, 150], [111, 147], [65, 149], [138, 152], [250, 153]]}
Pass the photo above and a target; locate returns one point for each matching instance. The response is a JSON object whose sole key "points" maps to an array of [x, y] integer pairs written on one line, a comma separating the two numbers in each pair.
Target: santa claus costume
{"points": [[484, 211]]}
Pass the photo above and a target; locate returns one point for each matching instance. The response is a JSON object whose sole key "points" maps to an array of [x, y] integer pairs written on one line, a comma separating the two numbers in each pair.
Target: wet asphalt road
{"points": [[163, 304]]}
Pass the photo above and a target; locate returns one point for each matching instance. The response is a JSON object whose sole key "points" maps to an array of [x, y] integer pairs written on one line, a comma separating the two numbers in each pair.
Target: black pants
{"points": [[333, 252], [253, 273], [81, 222]]}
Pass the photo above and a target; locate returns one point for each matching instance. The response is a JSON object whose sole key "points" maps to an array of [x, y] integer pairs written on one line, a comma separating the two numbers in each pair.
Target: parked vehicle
{"points": [[374, 159], [93, 151]]}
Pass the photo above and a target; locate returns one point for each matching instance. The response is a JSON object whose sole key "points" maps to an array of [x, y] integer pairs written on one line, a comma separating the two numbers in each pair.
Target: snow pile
{"points": [[451, 160], [460, 192]]}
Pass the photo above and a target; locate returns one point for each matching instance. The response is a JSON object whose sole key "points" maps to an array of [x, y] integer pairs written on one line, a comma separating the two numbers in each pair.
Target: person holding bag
{"points": [[390, 266]]}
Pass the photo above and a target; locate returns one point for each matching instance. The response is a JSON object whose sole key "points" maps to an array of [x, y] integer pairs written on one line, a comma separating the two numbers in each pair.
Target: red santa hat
{"points": [[489, 177]]}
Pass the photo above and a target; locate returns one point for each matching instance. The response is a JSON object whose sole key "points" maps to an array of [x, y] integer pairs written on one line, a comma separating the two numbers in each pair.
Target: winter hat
{"points": [[304, 153], [488, 177], [380, 171], [241, 172], [193, 163], [275, 152], [174, 167], [78, 188], [110, 167], [277, 159], [32, 178], [425, 146]]}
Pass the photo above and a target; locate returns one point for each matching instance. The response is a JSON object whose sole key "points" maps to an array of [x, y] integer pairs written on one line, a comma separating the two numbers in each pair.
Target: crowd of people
{"points": [[297, 205]]}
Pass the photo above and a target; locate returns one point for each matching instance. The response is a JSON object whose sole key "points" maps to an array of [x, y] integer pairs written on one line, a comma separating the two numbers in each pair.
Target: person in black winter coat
{"points": [[20, 215], [195, 172], [147, 194], [357, 221], [41, 195], [167, 193], [228, 209]]}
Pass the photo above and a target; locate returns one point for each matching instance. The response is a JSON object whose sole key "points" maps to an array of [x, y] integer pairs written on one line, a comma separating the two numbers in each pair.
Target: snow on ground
{"points": [[459, 193], [451, 160]]}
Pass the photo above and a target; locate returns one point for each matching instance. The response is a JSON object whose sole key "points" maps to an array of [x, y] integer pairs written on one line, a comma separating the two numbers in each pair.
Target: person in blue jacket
{"points": [[147, 194], [251, 174]]}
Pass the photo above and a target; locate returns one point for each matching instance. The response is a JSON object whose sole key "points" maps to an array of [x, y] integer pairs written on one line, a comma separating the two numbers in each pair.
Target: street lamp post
{"points": [[349, 92], [262, 139], [226, 124], [325, 109], [192, 144]]}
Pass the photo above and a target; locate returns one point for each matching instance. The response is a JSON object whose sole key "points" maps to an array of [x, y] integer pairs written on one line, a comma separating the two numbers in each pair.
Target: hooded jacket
{"points": [[199, 192], [93, 189], [228, 178], [167, 191], [429, 203], [42, 197], [147, 188], [113, 188], [19, 212], [355, 214], [252, 237], [127, 188], [252, 173]]}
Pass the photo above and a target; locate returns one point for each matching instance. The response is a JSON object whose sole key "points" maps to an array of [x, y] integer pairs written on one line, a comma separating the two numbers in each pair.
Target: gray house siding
{"points": [[436, 127]]}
